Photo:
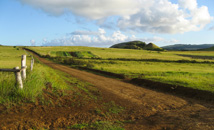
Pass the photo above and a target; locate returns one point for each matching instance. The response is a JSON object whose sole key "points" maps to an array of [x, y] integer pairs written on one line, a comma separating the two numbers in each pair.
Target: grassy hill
{"points": [[137, 45], [208, 49], [152, 46], [187, 47]]}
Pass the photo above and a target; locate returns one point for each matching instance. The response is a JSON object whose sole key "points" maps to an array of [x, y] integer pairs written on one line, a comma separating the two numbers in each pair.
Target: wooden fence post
{"points": [[31, 65], [18, 78], [23, 62]]}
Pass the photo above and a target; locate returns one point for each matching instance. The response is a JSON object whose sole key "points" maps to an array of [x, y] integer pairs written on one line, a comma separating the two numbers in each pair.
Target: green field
{"points": [[193, 69], [112, 53], [36, 80], [10, 57], [63, 91]]}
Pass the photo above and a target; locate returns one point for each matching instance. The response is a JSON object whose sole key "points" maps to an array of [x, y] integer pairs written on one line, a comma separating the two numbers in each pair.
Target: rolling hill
{"points": [[207, 49], [137, 45], [187, 47]]}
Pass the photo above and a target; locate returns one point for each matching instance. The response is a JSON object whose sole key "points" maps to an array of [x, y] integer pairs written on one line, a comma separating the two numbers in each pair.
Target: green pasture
{"points": [[165, 66], [194, 75], [10, 57], [77, 54], [112, 53]]}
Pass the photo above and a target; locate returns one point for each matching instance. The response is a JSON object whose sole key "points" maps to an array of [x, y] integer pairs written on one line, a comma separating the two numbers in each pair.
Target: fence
{"points": [[20, 74]]}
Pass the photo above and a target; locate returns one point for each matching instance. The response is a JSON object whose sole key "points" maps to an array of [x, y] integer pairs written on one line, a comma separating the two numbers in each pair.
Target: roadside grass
{"points": [[99, 125], [33, 85], [114, 108], [35, 82]]}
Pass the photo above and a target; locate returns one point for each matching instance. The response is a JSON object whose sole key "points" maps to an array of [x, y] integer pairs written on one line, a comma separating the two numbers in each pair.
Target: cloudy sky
{"points": [[102, 23]]}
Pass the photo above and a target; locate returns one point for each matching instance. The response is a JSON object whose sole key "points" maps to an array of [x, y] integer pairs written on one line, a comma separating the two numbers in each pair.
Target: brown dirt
{"points": [[145, 109]]}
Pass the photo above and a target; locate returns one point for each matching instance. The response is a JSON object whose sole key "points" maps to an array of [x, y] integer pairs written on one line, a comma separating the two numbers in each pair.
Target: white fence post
{"points": [[23, 63], [18, 78], [31, 65], [20, 73]]}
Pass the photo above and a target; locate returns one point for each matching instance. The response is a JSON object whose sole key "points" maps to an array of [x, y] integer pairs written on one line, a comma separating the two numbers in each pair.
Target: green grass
{"points": [[35, 82], [61, 53], [10, 57], [33, 85], [113, 108], [198, 76], [77, 54], [112, 53], [193, 69], [99, 125], [34, 92]]}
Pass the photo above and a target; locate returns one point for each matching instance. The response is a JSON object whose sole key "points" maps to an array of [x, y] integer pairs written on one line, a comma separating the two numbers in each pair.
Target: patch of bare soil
{"points": [[59, 110], [145, 109]]}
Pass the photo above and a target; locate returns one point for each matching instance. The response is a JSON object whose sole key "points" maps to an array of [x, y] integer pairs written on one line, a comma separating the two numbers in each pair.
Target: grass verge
{"points": [[99, 125], [33, 85]]}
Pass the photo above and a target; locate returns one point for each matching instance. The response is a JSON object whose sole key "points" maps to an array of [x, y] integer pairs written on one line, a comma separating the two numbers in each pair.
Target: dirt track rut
{"points": [[155, 107]]}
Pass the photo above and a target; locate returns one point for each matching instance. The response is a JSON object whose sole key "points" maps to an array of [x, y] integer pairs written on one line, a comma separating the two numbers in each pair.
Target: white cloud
{"points": [[158, 40], [102, 39], [118, 36], [33, 42], [173, 41], [93, 9], [162, 16], [90, 38], [188, 4], [154, 16], [95, 33], [80, 32], [153, 39]]}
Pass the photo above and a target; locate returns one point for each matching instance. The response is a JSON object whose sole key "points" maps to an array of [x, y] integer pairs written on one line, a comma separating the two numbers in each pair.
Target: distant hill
{"points": [[137, 45], [187, 47], [207, 49]]}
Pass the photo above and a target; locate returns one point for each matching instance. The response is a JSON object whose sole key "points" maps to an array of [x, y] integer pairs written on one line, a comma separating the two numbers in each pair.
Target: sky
{"points": [[102, 23]]}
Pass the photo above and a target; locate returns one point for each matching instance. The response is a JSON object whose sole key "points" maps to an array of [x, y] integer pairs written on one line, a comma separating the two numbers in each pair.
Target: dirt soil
{"points": [[145, 109]]}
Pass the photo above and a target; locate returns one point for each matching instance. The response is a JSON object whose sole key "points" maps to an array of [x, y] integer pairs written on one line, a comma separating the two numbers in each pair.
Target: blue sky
{"points": [[103, 23]]}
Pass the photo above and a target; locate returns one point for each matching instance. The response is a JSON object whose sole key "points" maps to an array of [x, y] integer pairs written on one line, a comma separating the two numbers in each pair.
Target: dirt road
{"points": [[152, 110]]}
